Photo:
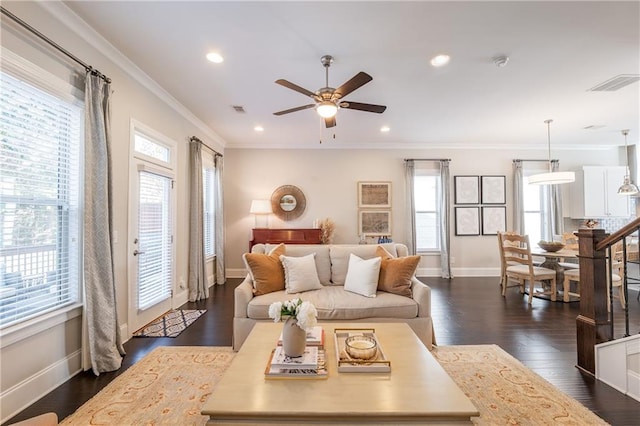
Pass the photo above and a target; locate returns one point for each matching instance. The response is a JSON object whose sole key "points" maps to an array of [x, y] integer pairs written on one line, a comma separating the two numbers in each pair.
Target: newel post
{"points": [[592, 325]]}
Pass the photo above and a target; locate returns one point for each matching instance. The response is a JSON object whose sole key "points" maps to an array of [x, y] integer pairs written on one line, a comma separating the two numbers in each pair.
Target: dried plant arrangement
{"points": [[328, 227]]}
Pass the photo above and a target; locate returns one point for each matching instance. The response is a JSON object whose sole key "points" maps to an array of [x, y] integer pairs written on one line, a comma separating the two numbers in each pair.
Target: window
{"points": [[427, 195], [41, 134], [536, 210], [208, 187]]}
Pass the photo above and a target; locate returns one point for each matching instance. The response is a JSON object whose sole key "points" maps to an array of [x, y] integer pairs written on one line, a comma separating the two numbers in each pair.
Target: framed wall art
{"points": [[466, 189], [375, 195], [467, 220], [494, 189], [374, 223], [494, 220]]}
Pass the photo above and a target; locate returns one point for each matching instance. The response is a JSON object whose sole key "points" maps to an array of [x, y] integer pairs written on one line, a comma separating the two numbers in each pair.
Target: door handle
{"points": [[136, 252]]}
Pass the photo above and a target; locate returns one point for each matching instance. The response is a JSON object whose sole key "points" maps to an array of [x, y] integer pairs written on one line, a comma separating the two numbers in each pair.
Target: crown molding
{"points": [[76, 24]]}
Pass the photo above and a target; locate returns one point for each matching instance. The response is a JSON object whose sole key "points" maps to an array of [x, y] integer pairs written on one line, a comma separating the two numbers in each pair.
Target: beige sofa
{"points": [[332, 301]]}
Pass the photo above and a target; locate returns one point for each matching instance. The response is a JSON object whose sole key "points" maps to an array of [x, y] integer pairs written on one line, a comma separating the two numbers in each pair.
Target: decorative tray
{"points": [[348, 364]]}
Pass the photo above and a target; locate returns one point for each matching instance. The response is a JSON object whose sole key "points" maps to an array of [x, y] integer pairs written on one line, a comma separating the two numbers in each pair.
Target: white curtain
{"points": [[445, 226], [221, 276], [104, 343], [197, 283], [555, 215], [409, 178], [518, 197]]}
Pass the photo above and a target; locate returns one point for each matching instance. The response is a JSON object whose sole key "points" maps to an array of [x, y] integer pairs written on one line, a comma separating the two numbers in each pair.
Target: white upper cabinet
{"points": [[594, 194]]}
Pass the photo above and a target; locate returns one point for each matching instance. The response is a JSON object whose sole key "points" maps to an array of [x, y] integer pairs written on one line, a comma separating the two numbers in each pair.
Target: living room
{"points": [[327, 173]]}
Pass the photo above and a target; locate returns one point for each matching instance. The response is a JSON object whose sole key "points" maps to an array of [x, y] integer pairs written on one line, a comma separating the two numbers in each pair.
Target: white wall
{"points": [[33, 366], [328, 177]]}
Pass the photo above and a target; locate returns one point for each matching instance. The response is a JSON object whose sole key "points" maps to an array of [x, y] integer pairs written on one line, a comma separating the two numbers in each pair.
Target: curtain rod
{"points": [[534, 161], [196, 139], [427, 159], [52, 43]]}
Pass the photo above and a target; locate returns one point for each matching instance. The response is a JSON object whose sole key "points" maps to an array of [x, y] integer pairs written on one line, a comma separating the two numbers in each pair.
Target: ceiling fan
{"points": [[328, 100]]}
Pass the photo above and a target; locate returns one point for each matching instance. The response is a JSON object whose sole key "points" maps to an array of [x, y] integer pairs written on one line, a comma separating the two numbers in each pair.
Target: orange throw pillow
{"points": [[396, 272], [266, 270]]}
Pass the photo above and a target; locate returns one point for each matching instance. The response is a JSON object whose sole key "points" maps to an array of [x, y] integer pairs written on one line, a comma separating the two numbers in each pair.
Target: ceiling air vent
{"points": [[238, 108], [615, 83]]}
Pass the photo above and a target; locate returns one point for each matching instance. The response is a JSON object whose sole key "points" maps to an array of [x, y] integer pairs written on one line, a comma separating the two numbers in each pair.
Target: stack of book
{"points": [[311, 365]]}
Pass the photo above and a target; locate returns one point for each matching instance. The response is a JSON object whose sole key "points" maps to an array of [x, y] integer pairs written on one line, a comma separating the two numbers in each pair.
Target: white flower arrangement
{"points": [[304, 312]]}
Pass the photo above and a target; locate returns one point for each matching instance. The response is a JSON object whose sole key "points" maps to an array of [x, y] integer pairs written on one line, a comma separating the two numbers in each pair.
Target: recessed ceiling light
{"points": [[385, 129], [259, 129], [440, 60], [215, 57]]}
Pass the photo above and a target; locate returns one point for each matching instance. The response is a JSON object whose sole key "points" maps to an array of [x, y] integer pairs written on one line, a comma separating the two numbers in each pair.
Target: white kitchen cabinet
{"points": [[594, 194]]}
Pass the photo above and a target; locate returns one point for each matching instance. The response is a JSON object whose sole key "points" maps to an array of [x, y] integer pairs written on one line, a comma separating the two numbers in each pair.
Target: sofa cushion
{"points": [[323, 263], [300, 273], [335, 303], [340, 258], [362, 276], [266, 270], [396, 272]]}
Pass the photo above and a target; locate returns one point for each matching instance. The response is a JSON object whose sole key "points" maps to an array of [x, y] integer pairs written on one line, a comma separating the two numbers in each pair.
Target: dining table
{"points": [[552, 260]]}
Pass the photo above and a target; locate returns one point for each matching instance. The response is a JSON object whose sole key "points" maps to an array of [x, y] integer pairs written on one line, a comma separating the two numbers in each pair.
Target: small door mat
{"points": [[171, 324]]}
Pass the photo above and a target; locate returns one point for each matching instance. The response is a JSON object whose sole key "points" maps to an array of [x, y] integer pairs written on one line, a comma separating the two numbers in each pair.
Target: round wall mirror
{"points": [[288, 202]]}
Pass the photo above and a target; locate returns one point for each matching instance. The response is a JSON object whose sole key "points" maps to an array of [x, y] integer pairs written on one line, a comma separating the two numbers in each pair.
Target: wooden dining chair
{"points": [[573, 276], [518, 266], [570, 241]]}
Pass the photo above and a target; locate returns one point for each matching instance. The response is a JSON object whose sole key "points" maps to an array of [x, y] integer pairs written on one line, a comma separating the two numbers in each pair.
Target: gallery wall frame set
{"points": [[486, 219], [374, 208], [488, 190]]}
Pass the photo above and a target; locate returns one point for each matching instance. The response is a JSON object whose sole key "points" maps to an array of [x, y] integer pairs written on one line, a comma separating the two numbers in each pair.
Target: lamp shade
{"points": [[552, 178], [260, 207]]}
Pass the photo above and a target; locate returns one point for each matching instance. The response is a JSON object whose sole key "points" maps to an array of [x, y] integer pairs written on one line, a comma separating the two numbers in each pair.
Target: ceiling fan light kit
{"points": [[328, 100], [551, 178]]}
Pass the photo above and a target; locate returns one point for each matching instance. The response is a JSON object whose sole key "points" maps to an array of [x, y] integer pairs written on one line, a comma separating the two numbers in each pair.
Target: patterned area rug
{"points": [[170, 384], [171, 324], [166, 387], [505, 392]]}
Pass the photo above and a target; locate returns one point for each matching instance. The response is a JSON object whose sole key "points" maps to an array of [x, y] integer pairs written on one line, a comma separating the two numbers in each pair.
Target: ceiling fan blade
{"points": [[300, 108], [295, 87], [330, 122], [363, 107], [356, 81]]}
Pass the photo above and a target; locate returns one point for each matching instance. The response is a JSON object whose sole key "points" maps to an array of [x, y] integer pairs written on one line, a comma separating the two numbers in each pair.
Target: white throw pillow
{"points": [[362, 275], [300, 273]]}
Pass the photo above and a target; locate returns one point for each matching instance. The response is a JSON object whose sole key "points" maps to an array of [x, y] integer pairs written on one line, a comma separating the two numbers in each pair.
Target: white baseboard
{"points": [[236, 272], [459, 272], [25, 393]]}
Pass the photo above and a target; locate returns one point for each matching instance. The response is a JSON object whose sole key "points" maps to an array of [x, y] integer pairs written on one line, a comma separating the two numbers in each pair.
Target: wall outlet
{"points": [[182, 284]]}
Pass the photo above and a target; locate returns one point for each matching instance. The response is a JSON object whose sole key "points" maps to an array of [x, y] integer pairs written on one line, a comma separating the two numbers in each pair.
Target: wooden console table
{"points": [[287, 236]]}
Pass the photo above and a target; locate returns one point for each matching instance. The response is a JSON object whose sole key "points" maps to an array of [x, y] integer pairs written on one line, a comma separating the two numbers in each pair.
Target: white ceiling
{"points": [[557, 50]]}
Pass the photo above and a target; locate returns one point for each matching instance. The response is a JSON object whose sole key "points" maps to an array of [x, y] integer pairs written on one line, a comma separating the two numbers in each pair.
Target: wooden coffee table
{"points": [[416, 391]]}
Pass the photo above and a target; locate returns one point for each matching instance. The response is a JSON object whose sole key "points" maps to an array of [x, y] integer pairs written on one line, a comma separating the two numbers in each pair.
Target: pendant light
{"points": [[627, 188], [551, 178]]}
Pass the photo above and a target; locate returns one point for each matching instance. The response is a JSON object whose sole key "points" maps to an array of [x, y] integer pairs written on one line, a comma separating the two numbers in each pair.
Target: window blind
{"points": [[208, 187], [39, 198], [154, 239]]}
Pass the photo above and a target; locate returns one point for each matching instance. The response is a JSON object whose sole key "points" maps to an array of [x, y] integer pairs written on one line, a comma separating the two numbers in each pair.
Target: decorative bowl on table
{"points": [[361, 347], [550, 246]]}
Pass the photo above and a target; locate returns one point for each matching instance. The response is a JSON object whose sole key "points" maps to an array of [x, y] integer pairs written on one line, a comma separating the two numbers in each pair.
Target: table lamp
{"points": [[261, 209]]}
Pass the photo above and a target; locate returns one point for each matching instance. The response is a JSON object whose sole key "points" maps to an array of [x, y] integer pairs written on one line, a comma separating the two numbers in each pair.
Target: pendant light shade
{"points": [[627, 187], [551, 178]]}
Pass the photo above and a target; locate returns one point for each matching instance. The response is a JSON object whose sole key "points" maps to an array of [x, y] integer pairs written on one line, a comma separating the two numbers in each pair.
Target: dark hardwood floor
{"points": [[465, 311]]}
